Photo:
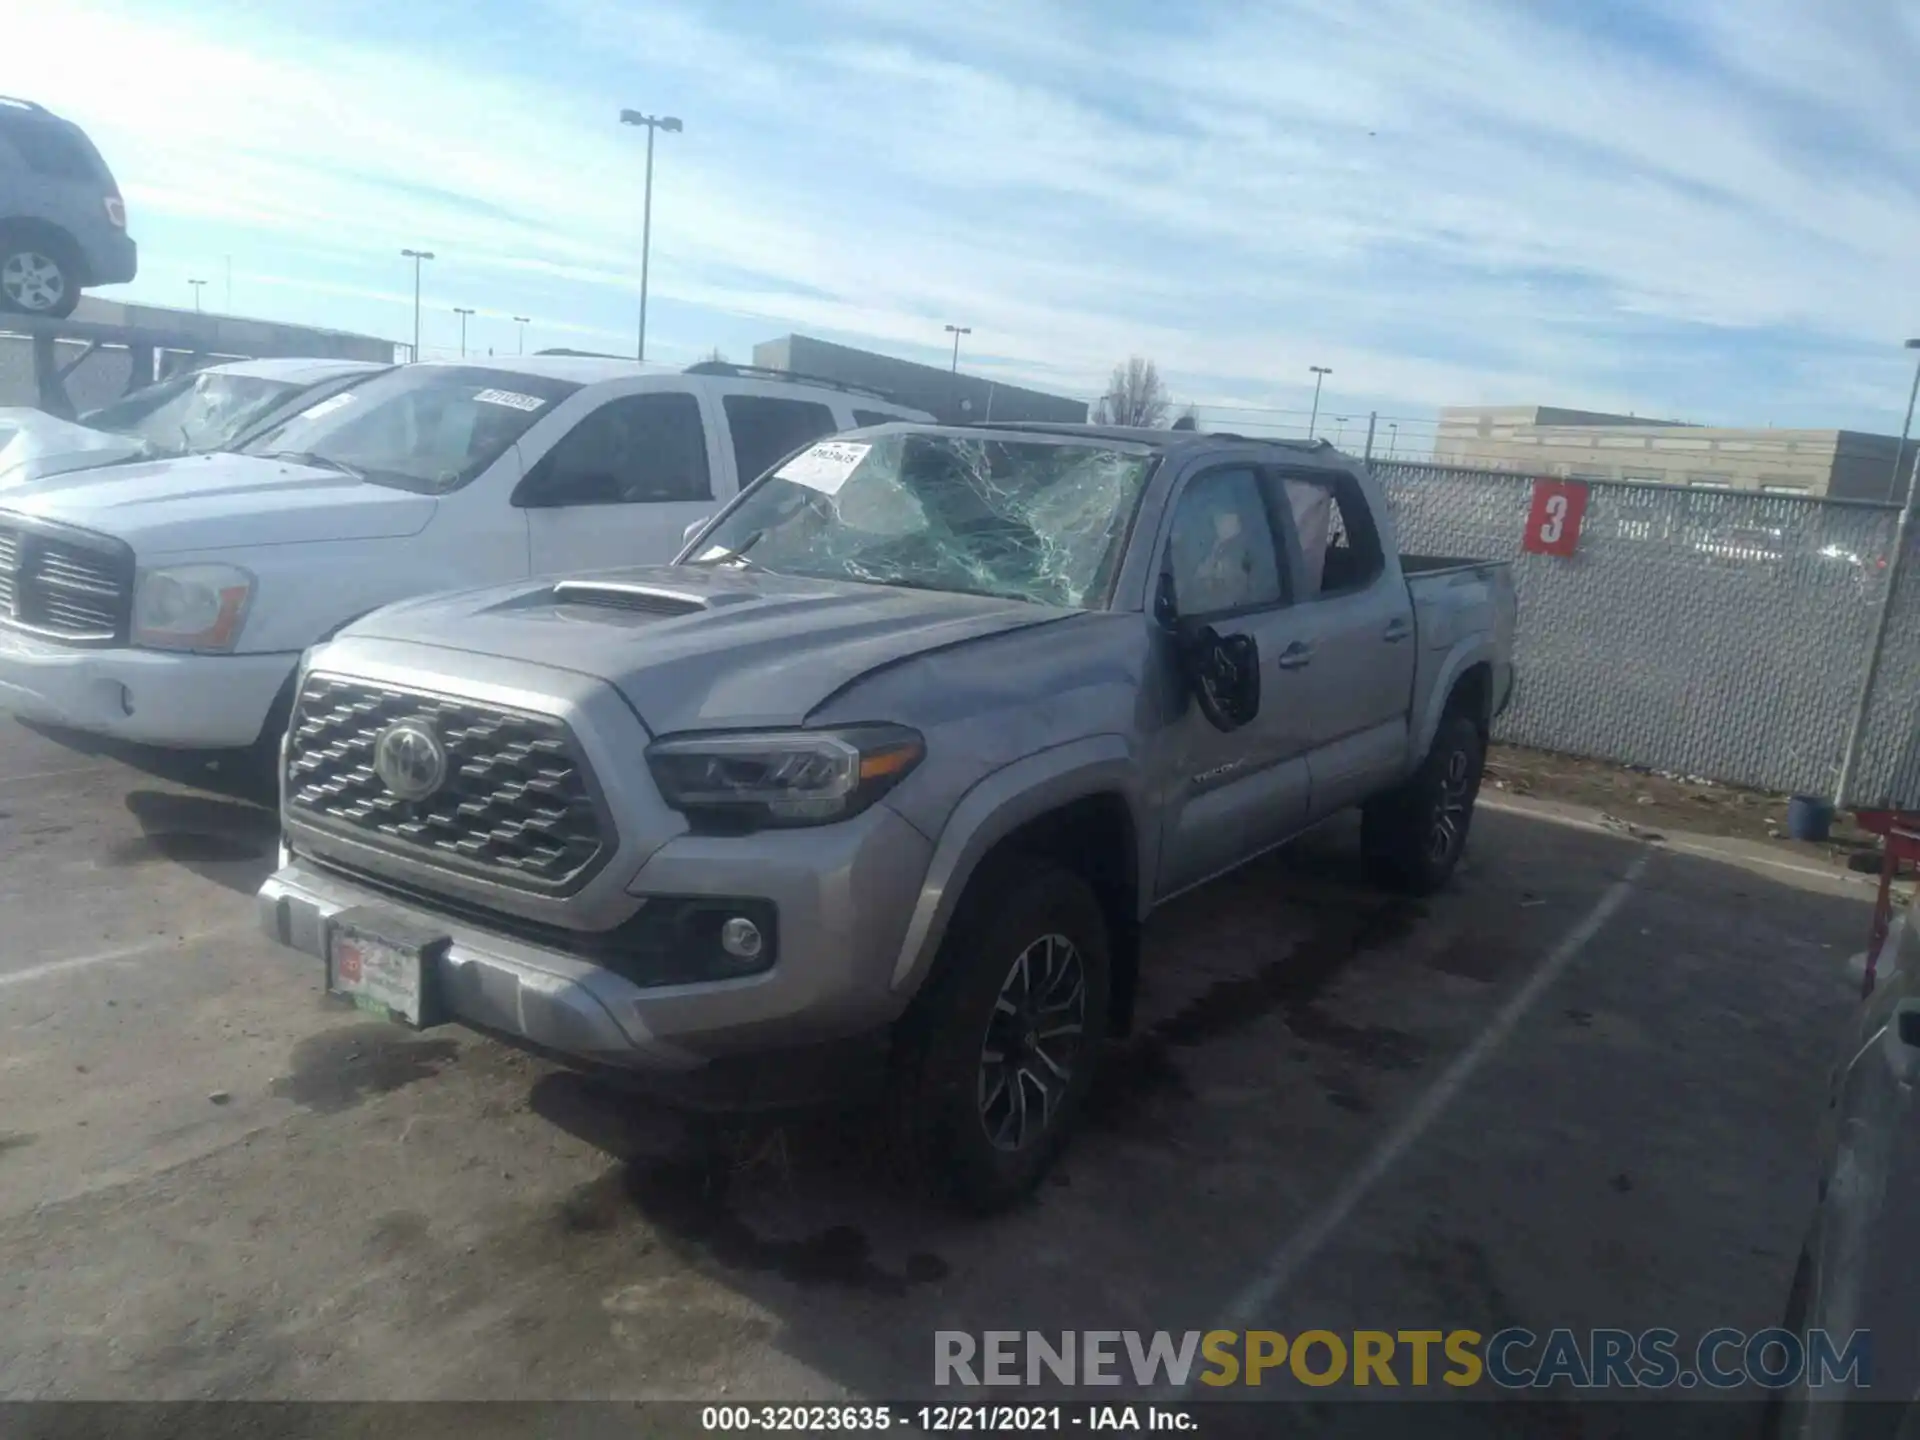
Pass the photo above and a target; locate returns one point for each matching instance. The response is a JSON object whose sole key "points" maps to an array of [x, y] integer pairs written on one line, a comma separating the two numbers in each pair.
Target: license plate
{"points": [[385, 967]]}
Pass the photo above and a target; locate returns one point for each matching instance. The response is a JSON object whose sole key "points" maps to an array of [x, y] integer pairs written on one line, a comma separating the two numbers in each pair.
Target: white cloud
{"points": [[1443, 202]]}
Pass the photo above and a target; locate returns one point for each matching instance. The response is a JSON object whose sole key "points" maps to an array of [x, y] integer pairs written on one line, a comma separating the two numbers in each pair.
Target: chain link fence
{"points": [[1722, 634]]}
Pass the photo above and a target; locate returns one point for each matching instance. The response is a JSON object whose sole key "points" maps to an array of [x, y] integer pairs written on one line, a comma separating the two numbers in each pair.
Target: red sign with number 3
{"points": [[1553, 524]]}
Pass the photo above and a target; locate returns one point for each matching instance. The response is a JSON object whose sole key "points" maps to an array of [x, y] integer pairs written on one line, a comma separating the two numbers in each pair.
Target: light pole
{"points": [[1340, 435], [522, 321], [197, 285], [463, 312], [1393, 440], [416, 256], [1893, 480], [953, 372], [672, 126], [1320, 372]]}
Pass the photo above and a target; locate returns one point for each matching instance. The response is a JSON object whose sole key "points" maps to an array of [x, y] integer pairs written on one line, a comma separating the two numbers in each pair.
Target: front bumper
{"points": [[150, 697], [842, 896]]}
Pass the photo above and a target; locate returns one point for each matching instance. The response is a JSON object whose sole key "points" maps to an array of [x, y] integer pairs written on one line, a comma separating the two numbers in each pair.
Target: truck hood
{"points": [[221, 502], [34, 444], [694, 648]]}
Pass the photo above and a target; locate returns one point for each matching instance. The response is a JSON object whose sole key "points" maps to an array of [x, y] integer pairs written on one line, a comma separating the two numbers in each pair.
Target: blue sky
{"points": [[1703, 211]]}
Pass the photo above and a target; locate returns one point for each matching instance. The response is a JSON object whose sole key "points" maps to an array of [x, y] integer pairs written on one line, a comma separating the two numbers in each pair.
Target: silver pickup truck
{"points": [[887, 768]]}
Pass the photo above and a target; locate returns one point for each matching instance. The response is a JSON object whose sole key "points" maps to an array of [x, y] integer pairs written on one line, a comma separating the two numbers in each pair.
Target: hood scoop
{"points": [[612, 595]]}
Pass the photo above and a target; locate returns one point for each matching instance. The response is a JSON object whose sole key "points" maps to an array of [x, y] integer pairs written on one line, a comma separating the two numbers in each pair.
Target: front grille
{"points": [[515, 806], [78, 588]]}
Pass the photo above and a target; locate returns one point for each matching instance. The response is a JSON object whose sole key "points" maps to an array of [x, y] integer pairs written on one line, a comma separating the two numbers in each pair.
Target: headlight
{"points": [[783, 777], [191, 607]]}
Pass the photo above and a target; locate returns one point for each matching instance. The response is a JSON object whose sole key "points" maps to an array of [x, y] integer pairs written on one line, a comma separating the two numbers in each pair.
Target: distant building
{"points": [[1585, 445], [953, 398]]}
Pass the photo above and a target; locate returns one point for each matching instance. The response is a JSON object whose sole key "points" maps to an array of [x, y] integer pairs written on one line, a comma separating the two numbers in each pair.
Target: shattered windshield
{"points": [[430, 428], [1035, 520], [192, 414]]}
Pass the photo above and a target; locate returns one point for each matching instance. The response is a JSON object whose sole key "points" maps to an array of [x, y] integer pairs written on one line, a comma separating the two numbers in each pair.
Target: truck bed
{"points": [[1425, 565]]}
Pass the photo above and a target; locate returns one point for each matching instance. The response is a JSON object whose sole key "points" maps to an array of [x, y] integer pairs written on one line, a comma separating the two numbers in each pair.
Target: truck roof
{"points": [[1307, 452]]}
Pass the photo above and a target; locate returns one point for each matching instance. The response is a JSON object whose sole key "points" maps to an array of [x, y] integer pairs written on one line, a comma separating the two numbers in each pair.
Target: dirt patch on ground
{"points": [[1654, 801]]}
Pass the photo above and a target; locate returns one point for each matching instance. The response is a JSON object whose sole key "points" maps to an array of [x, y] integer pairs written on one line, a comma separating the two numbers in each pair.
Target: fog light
{"points": [[740, 938]]}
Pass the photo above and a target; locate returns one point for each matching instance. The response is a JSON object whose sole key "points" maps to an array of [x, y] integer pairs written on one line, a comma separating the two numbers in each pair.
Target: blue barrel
{"points": [[1809, 817]]}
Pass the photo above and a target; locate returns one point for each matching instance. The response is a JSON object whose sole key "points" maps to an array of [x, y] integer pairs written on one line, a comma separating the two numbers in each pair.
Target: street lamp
{"points": [[197, 285], [1340, 435], [463, 312], [1320, 372], [522, 321], [957, 331], [672, 126], [416, 256], [1393, 440], [953, 372], [1893, 480]]}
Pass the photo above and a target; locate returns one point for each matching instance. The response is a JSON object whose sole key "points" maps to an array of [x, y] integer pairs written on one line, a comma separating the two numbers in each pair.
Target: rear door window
{"points": [[51, 149], [764, 429]]}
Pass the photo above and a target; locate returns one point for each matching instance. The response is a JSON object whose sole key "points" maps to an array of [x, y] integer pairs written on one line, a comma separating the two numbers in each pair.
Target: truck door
{"points": [[1229, 795], [1358, 621], [620, 487]]}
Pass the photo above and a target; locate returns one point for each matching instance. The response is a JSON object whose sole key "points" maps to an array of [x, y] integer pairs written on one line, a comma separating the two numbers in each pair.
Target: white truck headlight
{"points": [[191, 607], [783, 777]]}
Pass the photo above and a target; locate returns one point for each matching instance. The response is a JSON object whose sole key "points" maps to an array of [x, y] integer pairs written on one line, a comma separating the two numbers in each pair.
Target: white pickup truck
{"points": [[167, 603]]}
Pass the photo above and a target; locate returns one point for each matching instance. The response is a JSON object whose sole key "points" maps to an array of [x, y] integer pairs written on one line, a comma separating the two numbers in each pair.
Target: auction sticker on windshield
{"points": [[826, 466], [326, 406], [512, 399]]}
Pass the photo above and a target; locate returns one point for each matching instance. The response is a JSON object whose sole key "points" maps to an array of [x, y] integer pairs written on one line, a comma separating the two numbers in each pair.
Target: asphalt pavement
{"points": [[1578, 1088]]}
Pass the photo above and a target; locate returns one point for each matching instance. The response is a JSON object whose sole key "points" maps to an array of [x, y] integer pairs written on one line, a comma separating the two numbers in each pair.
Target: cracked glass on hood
{"points": [[1035, 520]]}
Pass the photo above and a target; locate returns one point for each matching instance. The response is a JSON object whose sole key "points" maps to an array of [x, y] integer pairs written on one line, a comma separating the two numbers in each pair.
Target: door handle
{"points": [[1296, 656], [1396, 631]]}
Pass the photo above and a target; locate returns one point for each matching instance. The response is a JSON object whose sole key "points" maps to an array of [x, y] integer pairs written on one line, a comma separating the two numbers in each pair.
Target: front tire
{"points": [[994, 1060], [37, 277], [1415, 834]]}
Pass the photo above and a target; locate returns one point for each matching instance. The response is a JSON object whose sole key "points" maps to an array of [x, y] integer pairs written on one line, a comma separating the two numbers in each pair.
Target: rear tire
{"points": [[994, 1060], [38, 275], [1415, 834]]}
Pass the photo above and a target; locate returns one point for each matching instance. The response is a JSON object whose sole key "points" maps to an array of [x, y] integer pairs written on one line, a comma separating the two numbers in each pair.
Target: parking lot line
{"points": [[121, 952], [1307, 1242]]}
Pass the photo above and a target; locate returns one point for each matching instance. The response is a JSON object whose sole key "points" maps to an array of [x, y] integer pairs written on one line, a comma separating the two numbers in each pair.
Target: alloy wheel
{"points": [[1450, 813], [1033, 1042], [32, 281]]}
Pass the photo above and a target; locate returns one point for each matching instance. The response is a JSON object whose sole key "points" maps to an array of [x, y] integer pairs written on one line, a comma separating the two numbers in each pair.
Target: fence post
{"points": [[1857, 731], [1372, 417]]}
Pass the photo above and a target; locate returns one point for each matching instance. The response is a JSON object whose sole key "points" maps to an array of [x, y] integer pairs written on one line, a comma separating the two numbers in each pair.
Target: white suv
{"points": [[168, 603]]}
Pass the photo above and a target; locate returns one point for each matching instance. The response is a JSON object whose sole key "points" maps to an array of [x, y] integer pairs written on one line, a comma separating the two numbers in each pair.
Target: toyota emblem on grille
{"points": [[409, 759]]}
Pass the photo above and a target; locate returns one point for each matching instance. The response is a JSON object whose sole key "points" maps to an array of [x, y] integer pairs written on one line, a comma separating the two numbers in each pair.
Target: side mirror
{"points": [[693, 529], [1222, 671]]}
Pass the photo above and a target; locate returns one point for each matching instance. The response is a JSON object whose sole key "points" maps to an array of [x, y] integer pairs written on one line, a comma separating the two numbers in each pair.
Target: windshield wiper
{"points": [[737, 554], [322, 462]]}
